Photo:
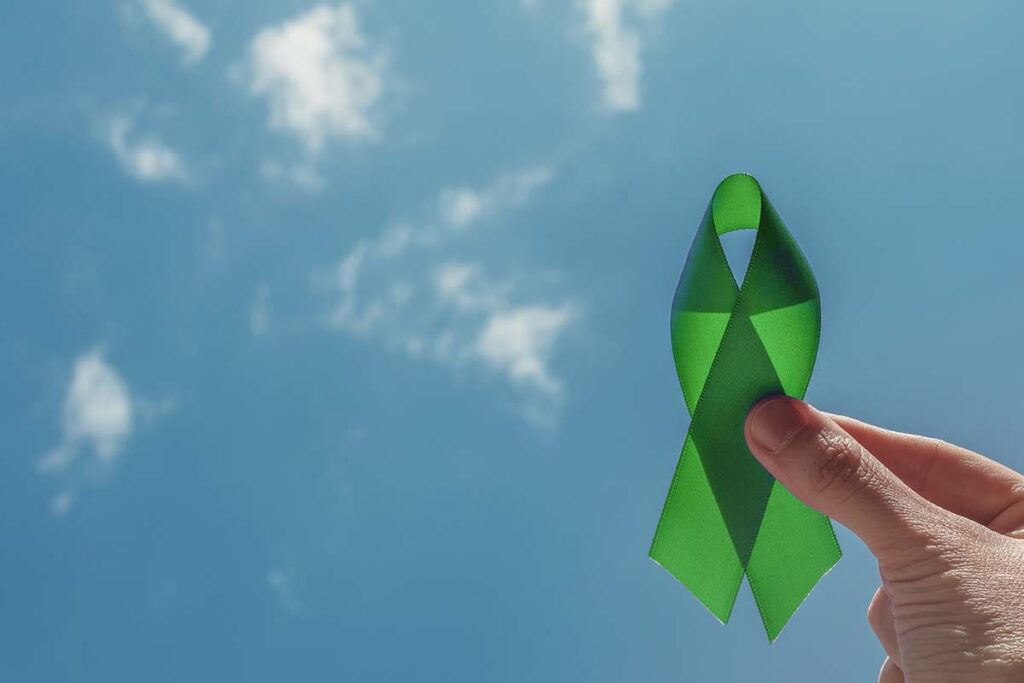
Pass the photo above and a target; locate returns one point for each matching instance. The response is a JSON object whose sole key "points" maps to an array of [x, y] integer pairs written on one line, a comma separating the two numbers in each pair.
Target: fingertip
{"points": [[773, 422]]}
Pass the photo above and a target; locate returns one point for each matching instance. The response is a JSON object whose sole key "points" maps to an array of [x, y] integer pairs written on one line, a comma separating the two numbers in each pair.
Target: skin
{"points": [[945, 524]]}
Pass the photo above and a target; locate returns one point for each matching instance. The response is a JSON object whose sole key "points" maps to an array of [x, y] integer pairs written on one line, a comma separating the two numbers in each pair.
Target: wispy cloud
{"points": [[281, 585], [460, 207], [98, 417], [616, 45], [259, 311], [189, 34], [302, 174], [320, 76], [144, 157], [407, 287]]}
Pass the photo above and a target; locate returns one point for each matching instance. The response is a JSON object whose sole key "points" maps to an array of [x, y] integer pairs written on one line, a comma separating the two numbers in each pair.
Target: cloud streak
{"points": [[461, 207], [407, 287], [189, 34], [259, 311], [616, 45]]}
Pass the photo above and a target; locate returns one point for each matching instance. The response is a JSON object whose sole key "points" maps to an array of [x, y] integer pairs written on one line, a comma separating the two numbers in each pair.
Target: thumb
{"points": [[829, 470]]}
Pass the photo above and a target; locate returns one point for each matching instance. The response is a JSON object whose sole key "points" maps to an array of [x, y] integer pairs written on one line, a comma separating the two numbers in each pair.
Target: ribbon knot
{"points": [[725, 516]]}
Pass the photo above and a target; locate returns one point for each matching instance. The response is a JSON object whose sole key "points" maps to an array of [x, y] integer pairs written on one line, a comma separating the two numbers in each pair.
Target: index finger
{"points": [[952, 477]]}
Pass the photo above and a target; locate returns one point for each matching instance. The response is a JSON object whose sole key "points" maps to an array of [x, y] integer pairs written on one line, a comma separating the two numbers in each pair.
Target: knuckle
{"points": [[879, 612], [837, 465]]}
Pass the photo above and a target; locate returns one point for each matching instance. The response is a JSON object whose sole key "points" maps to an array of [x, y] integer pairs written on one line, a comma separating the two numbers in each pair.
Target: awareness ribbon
{"points": [[725, 515]]}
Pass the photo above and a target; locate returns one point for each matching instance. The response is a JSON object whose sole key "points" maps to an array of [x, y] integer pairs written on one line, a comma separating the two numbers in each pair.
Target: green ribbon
{"points": [[725, 516]]}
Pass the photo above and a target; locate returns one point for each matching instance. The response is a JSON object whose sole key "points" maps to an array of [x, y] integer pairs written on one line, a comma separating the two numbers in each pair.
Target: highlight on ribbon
{"points": [[725, 517]]}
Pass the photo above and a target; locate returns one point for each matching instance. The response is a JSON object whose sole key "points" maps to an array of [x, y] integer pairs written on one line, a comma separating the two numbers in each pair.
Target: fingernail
{"points": [[774, 421]]}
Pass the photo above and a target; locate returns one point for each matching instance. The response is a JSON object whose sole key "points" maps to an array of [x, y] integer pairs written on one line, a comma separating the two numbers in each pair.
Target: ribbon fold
{"points": [[725, 516]]}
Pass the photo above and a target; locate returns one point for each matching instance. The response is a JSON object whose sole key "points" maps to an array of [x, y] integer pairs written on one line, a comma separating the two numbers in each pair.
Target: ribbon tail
{"points": [[795, 547], [692, 541]]}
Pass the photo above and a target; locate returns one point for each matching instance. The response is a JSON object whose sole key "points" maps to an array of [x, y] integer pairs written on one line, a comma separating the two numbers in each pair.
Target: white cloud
{"points": [[406, 288], [145, 158], [319, 74], [181, 27], [259, 312], [97, 412], [98, 416], [615, 45], [518, 341]]}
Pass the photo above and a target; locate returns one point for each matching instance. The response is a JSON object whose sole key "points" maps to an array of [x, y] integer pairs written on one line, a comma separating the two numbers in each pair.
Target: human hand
{"points": [[945, 524]]}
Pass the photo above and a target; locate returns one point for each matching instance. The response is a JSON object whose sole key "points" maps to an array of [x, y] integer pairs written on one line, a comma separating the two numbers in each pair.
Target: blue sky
{"points": [[335, 336]]}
